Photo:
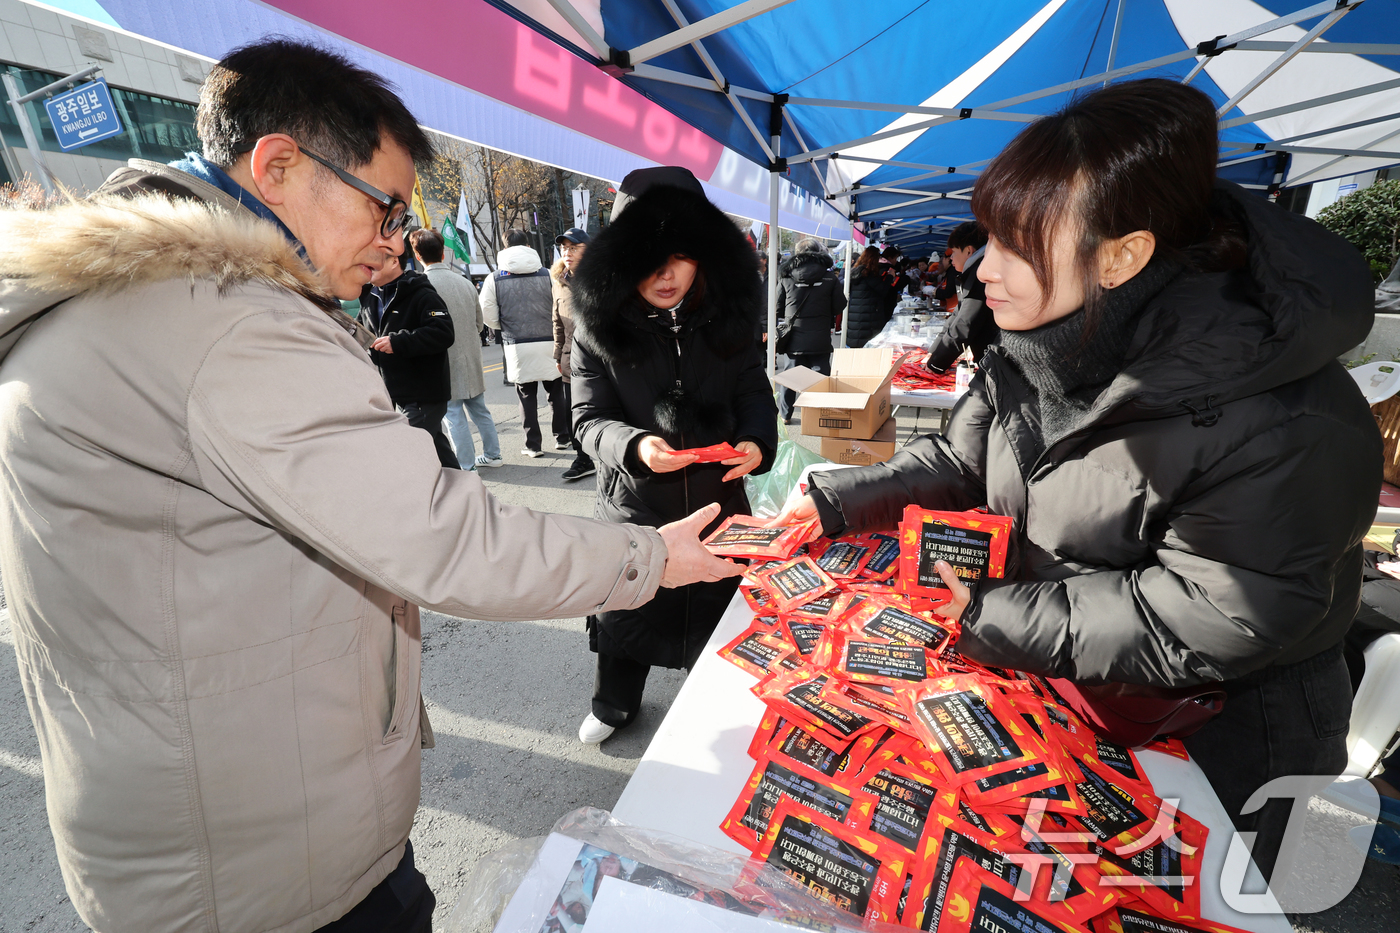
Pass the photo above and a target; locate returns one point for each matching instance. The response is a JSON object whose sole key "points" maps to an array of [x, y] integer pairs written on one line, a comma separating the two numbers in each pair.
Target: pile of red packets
{"points": [[913, 375], [907, 784]]}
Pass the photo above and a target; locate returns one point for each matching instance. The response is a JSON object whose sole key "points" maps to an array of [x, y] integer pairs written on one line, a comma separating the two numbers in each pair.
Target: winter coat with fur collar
{"points": [[697, 384], [216, 625]]}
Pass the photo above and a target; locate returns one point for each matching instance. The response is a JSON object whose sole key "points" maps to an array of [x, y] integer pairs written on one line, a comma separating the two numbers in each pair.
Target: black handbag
{"points": [[785, 330]]}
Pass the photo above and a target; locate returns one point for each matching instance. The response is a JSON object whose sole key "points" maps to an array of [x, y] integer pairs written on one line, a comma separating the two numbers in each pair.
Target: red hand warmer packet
{"points": [[882, 618], [712, 454], [771, 782], [876, 662], [758, 651], [843, 559], [973, 543], [746, 536], [1125, 920], [978, 899], [855, 871], [883, 561], [976, 729], [798, 696], [795, 582]]}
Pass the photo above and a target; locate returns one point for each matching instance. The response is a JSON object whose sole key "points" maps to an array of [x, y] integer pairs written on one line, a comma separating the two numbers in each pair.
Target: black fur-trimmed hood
{"points": [[662, 222]]}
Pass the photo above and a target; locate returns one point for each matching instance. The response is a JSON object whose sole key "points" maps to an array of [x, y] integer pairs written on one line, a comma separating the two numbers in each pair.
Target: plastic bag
{"points": [[513, 891], [768, 492]]}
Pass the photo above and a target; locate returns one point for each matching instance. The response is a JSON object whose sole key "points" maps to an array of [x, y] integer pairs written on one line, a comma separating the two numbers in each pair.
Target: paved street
{"points": [[505, 700]]}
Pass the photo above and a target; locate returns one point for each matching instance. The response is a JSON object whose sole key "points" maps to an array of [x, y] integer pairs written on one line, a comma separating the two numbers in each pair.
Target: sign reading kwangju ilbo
{"points": [[83, 115]]}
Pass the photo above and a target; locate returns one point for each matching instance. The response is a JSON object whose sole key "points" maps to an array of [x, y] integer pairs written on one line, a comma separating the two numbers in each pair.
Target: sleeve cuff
{"points": [[833, 522], [640, 576], [631, 462]]}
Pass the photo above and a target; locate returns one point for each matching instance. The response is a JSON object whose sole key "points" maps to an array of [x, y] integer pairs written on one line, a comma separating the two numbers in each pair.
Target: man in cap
{"points": [[571, 244], [216, 529]]}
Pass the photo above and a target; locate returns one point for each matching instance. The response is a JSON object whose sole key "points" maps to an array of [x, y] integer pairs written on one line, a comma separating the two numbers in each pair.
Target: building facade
{"points": [[155, 88]]}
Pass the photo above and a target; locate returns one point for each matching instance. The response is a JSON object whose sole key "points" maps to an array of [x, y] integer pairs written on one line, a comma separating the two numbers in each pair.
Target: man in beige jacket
{"points": [[215, 618]]}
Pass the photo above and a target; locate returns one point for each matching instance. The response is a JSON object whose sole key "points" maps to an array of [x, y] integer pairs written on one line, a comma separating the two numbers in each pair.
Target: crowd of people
{"points": [[426, 318]]}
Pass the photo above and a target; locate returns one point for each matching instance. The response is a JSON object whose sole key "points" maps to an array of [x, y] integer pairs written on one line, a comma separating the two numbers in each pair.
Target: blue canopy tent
{"points": [[889, 110]]}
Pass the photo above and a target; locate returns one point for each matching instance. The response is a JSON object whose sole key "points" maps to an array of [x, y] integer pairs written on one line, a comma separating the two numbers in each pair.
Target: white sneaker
{"points": [[532, 453], [594, 730], [563, 445], [484, 461]]}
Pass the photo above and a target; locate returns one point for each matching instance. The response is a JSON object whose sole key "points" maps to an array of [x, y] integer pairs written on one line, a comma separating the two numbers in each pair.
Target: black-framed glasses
{"points": [[395, 210]]}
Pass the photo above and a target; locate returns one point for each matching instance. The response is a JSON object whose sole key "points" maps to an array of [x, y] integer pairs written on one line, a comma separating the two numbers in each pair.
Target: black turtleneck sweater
{"points": [[1069, 372]]}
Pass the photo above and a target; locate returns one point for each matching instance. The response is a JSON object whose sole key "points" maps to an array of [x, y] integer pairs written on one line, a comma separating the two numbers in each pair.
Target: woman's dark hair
{"points": [[1139, 155], [316, 96], [869, 260]]}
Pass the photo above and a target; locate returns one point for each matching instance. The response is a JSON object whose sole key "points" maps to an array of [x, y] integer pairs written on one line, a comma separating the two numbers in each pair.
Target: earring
{"points": [[1110, 284]]}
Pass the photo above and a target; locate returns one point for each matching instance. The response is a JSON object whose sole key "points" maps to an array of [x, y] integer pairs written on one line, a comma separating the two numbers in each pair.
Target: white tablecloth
{"points": [[925, 398], [696, 765]]}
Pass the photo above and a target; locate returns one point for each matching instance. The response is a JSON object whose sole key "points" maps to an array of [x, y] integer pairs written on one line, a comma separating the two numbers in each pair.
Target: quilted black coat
{"points": [[633, 376], [810, 300], [1206, 521]]}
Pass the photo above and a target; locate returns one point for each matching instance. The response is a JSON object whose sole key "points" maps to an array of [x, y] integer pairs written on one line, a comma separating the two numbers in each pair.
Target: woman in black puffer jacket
{"points": [[1190, 471], [871, 286], [809, 301], [664, 359]]}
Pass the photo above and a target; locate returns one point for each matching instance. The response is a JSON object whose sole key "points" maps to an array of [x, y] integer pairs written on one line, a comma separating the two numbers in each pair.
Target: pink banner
{"points": [[473, 44]]}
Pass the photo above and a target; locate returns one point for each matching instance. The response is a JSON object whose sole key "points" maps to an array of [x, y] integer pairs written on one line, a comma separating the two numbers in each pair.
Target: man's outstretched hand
{"points": [[689, 561]]}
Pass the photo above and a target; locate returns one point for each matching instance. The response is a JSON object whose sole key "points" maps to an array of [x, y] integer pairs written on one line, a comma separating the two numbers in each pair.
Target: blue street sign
{"points": [[83, 115]]}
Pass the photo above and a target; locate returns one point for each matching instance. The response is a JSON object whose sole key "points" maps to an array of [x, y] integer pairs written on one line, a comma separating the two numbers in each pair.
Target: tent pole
{"points": [[1351, 94], [1113, 43], [773, 178], [1323, 25], [850, 261], [775, 174]]}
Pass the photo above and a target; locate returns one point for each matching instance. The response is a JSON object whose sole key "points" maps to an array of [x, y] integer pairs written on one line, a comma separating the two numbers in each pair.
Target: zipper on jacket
{"points": [[685, 490]]}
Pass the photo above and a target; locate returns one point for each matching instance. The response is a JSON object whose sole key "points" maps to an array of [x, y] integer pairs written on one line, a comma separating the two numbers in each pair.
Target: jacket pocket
{"points": [[403, 694], [1329, 701]]}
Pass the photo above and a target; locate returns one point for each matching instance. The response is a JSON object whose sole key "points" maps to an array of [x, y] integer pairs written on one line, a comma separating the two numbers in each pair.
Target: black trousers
{"points": [[428, 416], [1284, 720], [562, 421], [819, 362], [617, 690], [580, 456], [401, 903]]}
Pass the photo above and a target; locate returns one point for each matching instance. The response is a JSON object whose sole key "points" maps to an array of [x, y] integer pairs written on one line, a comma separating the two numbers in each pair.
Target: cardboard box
{"points": [[854, 401], [855, 452]]}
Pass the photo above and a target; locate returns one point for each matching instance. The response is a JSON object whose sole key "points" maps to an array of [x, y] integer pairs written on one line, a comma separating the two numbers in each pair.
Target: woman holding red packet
{"points": [[665, 365], [1189, 471]]}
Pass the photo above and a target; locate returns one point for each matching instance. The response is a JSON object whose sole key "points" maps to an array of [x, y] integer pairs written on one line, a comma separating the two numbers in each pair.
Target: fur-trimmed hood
{"points": [[806, 267], [663, 221], [112, 242]]}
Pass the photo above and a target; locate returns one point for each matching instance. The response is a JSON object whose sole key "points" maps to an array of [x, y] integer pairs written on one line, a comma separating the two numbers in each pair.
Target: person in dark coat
{"points": [[972, 326], [810, 298], [871, 285], [413, 330], [664, 359], [1190, 471]]}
